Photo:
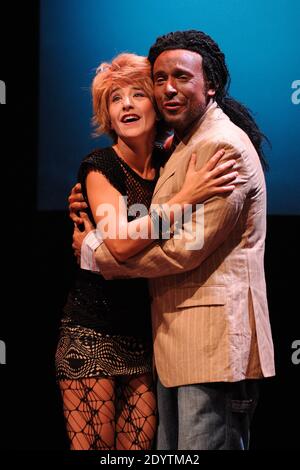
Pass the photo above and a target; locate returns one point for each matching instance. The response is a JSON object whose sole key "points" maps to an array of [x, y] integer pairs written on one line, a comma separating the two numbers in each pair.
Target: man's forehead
{"points": [[177, 58]]}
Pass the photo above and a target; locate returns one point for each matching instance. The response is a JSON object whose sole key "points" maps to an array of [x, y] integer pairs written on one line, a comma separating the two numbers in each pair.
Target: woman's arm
{"points": [[125, 239]]}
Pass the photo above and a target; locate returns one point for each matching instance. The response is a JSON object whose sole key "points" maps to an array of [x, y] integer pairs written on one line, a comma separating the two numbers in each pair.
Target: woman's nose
{"points": [[127, 103]]}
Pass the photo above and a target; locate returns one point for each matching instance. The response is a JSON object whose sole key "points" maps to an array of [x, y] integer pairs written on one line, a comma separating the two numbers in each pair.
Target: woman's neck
{"points": [[138, 155]]}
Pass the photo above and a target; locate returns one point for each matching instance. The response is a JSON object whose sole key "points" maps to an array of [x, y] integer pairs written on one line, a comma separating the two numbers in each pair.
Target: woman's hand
{"points": [[79, 236], [210, 180]]}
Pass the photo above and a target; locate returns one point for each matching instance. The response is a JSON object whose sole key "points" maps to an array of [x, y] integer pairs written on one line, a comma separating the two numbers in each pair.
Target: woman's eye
{"points": [[115, 98], [140, 93]]}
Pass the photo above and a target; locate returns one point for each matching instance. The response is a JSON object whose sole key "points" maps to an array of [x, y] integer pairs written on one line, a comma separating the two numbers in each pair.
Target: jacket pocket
{"points": [[206, 295]]}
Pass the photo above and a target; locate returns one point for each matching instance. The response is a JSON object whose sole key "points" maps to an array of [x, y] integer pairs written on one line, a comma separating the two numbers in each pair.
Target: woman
{"points": [[104, 355]]}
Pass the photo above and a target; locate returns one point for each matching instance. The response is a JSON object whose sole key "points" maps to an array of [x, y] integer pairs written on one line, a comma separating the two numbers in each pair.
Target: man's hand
{"points": [[79, 236], [76, 204]]}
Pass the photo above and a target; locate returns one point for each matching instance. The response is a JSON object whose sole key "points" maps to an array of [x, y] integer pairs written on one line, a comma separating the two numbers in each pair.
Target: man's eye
{"points": [[159, 80]]}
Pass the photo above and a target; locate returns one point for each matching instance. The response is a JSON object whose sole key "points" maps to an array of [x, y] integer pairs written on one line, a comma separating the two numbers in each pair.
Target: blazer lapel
{"points": [[168, 172], [180, 153], [169, 168]]}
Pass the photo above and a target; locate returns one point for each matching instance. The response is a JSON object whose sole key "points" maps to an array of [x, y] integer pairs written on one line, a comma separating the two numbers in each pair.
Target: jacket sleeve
{"points": [[212, 225]]}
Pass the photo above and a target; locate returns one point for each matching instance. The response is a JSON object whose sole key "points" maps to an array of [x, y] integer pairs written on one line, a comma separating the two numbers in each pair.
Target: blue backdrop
{"points": [[259, 38]]}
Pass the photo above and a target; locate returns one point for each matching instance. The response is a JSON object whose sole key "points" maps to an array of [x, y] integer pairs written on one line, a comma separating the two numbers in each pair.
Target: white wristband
{"points": [[90, 243]]}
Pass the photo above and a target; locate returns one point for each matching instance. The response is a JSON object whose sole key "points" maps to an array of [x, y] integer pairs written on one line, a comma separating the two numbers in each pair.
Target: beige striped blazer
{"points": [[209, 306]]}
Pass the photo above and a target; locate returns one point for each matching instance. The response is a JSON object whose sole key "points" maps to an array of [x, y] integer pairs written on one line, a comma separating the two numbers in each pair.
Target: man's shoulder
{"points": [[218, 131]]}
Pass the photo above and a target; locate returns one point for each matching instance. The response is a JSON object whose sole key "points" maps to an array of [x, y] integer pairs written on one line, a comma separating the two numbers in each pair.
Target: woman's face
{"points": [[131, 112]]}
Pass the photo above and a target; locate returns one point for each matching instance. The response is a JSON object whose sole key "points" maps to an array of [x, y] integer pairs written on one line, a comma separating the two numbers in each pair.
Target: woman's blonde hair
{"points": [[124, 70]]}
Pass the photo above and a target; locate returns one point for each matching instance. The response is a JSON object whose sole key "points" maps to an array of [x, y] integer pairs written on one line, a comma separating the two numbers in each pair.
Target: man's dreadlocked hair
{"points": [[216, 73]]}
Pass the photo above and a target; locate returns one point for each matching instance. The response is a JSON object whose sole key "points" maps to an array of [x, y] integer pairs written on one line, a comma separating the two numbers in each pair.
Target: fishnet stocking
{"points": [[89, 412], [136, 423], [110, 413]]}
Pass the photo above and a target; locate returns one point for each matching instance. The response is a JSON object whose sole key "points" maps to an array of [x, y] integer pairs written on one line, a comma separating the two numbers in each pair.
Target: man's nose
{"points": [[170, 89]]}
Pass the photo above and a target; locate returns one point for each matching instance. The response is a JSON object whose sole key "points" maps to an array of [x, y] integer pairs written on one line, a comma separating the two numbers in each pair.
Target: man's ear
{"points": [[210, 88], [211, 92]]}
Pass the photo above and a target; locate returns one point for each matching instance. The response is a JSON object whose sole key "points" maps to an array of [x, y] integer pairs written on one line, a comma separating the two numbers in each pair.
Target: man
{"points": [[212, 336]]}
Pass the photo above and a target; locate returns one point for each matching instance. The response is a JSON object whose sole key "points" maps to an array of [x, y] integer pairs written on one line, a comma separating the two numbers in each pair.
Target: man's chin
{"points": [[172, 119]]}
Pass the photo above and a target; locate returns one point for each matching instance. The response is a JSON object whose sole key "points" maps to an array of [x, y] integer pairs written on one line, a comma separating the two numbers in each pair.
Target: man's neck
{"points": [[185, 135]]}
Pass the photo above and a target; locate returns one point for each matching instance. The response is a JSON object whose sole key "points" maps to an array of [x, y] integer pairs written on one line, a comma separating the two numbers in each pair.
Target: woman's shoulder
{"points": [[99, 156], [102, 160]]}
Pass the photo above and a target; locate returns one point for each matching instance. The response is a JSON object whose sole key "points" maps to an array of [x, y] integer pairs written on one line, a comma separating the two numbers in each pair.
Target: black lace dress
{"points": [[106, 326]]}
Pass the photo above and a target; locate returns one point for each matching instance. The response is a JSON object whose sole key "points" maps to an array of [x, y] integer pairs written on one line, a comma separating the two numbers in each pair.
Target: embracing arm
{"points": [[124, 239], [175, 255]]}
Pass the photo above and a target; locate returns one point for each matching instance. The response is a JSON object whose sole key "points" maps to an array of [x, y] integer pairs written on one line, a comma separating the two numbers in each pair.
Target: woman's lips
{"points": [[129, 118]]}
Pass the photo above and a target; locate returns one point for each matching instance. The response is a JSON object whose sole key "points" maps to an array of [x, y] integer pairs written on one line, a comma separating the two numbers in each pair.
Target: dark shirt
{"points": [[115, 306]]}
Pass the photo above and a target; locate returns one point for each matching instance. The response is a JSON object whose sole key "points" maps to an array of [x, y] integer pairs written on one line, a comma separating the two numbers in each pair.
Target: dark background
{"points": [[38, 266]]}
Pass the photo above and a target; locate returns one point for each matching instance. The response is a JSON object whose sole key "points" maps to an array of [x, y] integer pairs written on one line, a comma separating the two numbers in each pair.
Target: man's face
{"points": [[180, 88]]}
